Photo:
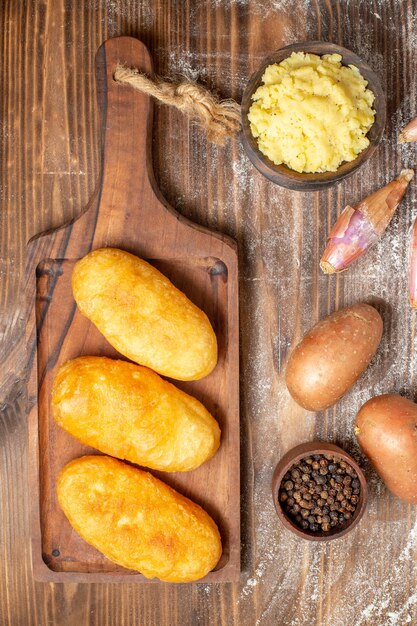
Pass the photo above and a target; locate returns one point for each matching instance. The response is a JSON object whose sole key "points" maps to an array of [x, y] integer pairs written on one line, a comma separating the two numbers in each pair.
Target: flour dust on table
{"points": [[271, 412]]}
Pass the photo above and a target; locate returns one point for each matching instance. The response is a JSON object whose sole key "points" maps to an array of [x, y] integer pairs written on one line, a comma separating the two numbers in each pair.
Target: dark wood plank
{"points": [[49, 169]]}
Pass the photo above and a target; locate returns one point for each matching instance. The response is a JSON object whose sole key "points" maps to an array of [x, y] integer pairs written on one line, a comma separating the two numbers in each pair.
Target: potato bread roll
{"points": [[137, 521], [130, 412], [142, 314]]}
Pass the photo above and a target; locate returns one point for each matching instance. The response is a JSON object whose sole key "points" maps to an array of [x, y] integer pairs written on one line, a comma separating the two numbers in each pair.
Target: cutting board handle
{"points": [[126, 127]]}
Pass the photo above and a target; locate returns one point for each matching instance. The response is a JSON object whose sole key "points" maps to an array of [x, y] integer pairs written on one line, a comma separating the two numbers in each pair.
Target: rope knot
{"points": [[220, 118]]}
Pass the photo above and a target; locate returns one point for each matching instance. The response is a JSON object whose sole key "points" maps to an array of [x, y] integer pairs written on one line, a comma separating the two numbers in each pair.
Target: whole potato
{"points": [[386, 428], [142, 314], [332, 356]]}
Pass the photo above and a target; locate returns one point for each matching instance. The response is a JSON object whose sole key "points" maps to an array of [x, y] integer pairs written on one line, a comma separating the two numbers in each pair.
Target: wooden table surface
{"points": [[50, 163]]}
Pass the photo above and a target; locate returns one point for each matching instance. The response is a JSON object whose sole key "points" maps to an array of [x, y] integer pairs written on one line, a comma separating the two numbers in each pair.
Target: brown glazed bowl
{"points": [[283, 175], [296, 454]]}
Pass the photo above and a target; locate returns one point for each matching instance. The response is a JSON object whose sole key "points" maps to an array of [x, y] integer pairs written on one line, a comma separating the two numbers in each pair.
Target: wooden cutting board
{"points": [[127, 211]]}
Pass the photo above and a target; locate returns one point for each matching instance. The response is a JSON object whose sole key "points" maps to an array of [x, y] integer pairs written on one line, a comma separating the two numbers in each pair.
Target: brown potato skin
{"points": [[142, 314], [386, 429], [130, 412], [137, 521], [332, 355]]}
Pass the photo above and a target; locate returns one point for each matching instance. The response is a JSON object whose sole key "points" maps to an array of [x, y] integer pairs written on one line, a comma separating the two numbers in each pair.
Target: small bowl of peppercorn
{"points": [[319, 491]]}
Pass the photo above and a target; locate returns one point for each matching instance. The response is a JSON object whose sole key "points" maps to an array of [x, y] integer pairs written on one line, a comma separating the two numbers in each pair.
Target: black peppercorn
{"points": [[319, 493]]}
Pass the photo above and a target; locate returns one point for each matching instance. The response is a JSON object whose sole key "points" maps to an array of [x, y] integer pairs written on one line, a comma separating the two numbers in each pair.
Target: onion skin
{"points": [[412, 267], [359, 227], [386, 429], [409, 132], [350, 237]]}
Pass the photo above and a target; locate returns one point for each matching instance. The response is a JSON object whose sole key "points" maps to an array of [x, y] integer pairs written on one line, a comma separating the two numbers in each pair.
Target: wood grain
{"points": [[128, 212], [50, 163]]}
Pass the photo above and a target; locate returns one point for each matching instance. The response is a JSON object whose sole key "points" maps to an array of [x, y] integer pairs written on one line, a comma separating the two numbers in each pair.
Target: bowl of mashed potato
{"points": [[311, 115]]}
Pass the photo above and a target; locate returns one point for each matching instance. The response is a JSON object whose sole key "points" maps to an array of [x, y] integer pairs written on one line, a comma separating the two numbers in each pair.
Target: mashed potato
{"points": [[312, 113]]}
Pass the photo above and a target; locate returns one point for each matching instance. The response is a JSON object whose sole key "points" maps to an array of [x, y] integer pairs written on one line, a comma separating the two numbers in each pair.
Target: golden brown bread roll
{"points": [[137, 521], [142, 314], [130, 412]]}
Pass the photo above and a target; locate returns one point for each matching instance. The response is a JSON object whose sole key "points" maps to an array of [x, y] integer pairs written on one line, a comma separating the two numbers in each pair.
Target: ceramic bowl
{"points": [[283, 175], [297, 454]]}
